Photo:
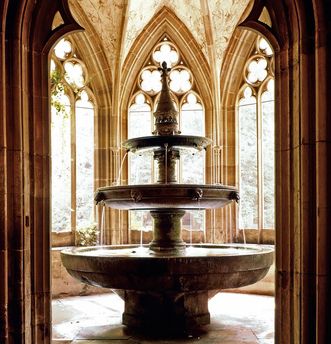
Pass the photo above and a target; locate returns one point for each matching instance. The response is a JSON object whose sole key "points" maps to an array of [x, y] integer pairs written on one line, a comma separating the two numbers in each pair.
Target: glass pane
{"points": [[193, 166], [74, 74], [151, 81], [61, 165], [257, 70], [63, 48], [84, 162], [180, 80], [140, 118], [140, 168], [268, 156], [192, 122], [265, 47], [248, 217], [139, 124], [140, 220], [192, 119], [194, 220], [166, 53]]}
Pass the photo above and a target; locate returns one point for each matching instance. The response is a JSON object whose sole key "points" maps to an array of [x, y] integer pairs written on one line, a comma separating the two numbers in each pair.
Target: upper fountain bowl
{"points": [[137, 143], [176, 196]]}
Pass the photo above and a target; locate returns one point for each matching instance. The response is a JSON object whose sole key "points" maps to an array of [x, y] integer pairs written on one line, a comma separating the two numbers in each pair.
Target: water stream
{"points": [[238, 221], [166, 163], [118, 181], [141, 236], [102, 226]]}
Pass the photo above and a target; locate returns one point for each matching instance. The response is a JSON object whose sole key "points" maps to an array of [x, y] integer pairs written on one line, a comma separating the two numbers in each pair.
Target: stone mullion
{"points": [[219, 215], [113, 235], [102, 166], [209, 173], [229, 168]]}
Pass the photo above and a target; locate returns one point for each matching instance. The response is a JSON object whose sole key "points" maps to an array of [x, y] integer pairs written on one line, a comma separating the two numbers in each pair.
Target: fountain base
{"points": [[170, 311], [168, 292]]}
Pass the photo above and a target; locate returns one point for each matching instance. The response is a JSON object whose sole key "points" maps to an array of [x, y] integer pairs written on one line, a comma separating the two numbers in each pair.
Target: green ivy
{"points": [[57, 89]]}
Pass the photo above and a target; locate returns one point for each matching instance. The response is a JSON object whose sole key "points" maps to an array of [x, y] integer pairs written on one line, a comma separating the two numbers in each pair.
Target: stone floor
{"points": [[235, 319]]}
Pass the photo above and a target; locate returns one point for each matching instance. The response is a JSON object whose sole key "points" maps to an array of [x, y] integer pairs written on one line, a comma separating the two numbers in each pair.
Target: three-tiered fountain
{"points": [[167, 284]]}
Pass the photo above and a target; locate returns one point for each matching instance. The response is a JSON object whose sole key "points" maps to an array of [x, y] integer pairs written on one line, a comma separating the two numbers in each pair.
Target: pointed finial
{"points": [[166, 116], [164, 70]]}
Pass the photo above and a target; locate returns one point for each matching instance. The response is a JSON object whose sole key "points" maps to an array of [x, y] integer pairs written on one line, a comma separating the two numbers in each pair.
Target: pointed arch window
{"points": [[255, 112], [187, 101], [72, 141]]}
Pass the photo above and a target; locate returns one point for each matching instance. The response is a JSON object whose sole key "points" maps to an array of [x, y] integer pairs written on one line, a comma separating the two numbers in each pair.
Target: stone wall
{"points": [[63, 284]]}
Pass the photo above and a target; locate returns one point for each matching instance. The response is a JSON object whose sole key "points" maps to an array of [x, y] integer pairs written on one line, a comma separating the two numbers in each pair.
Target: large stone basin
{"points": [[168, 288]]}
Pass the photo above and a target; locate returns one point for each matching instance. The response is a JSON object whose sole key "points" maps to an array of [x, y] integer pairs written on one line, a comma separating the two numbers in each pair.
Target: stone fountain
{"points": [[167, 284]]}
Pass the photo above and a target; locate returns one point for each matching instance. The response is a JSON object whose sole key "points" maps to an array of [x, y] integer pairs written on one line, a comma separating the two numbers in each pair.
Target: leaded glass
{"points": [[248, 161], [61, 166], [74, 74], [268, 155], [72, 141], [62, 49], [180, 80], [151, 81], [84, 161], [256, 141], [167, 53], [257, 70]]}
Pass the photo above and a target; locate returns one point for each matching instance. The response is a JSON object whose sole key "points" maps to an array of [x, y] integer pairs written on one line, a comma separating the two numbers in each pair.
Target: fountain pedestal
{"points": [[173, 311]]}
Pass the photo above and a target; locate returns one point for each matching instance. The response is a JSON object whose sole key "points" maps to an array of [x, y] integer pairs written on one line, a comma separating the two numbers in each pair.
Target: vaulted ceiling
{"points": [[119, 22]]}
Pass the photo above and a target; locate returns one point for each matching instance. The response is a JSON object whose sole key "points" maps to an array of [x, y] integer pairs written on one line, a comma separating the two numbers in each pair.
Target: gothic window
{"points": [[72, 140], [256, 140], [142, 169]]}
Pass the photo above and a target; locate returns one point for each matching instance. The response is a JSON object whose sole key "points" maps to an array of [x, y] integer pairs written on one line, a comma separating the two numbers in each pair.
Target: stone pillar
{"points": [[166, 160], [167, 230]]}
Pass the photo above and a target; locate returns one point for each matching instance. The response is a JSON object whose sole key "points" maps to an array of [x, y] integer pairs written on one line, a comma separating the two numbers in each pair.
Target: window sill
{"points": [[252, 236], [60, 239]]}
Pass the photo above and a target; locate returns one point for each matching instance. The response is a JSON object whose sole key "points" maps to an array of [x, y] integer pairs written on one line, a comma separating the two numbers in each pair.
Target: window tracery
{"points": [[142, 169], [72, 140], [256, 140]]}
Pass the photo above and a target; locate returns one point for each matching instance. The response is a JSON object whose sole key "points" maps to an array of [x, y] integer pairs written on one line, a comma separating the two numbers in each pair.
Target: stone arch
{"points": [[25, 254]]}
